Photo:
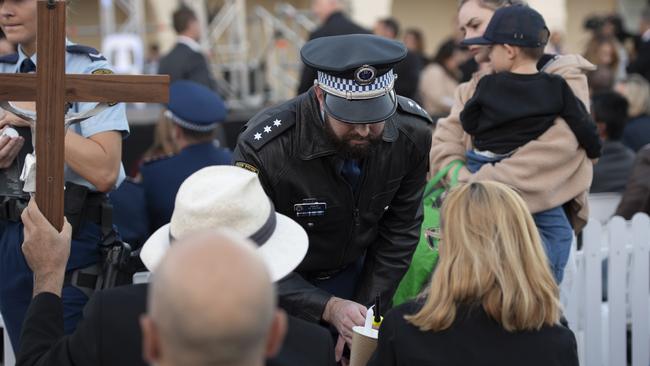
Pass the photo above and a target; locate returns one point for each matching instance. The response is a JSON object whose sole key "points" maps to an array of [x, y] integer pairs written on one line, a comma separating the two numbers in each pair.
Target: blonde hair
{"points": [[637, 93], [490, 255], [493, 4], [163, 144]]}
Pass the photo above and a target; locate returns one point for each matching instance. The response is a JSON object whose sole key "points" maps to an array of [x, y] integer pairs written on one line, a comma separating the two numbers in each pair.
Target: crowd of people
{"points": [[276, 252]]}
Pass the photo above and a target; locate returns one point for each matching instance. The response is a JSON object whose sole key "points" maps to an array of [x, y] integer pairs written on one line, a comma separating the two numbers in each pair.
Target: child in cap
{"points": [[517, 104]]}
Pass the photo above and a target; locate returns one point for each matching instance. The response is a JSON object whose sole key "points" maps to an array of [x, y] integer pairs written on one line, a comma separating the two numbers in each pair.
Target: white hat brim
{"points": [[282, 253]]}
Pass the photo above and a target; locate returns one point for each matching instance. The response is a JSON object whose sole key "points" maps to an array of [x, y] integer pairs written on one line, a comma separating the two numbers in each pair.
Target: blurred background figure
{"points": [[440, 79], [614, 166], [636, 90], [186, 60], [414, 42], [152, 62], [603, 51], [408, 70], [555, 45], [636, 197], [333, 23], [641, 63]]}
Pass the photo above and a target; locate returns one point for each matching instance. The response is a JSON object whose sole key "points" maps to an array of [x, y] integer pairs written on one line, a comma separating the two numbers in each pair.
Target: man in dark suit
{"points": [[186, 60], [333, 23], [641, 64], [109, 333]]}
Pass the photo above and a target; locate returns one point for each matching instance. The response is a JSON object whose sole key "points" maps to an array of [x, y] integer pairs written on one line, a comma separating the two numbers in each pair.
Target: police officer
{"points": [[92, 167], [195, 111], [348, 160]]}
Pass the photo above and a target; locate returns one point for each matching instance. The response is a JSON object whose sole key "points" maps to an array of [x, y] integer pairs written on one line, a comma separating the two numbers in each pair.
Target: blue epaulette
{"points": [[411, 107], [92, 53], [9, 59]]}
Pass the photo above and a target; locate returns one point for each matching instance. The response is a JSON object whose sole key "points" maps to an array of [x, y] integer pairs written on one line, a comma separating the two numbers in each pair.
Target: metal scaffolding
{"points": [[254, 55]]}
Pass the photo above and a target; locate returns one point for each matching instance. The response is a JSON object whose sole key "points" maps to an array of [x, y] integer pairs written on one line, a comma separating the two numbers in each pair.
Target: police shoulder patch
{"points": [[9, 59], [103, 72], [92, 53], [411, 107], [247, 166], [261, 132]]}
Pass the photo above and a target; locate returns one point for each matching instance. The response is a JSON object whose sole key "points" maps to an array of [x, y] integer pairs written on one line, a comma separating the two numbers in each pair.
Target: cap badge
{"points": [[365, 75]]}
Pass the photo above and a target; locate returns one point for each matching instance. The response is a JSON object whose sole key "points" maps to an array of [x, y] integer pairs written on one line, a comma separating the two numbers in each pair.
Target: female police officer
{"points": [[92, 166]]}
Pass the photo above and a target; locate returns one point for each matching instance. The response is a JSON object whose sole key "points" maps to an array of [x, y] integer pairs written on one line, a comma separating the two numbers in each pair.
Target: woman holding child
{"points": [[551, 170]]}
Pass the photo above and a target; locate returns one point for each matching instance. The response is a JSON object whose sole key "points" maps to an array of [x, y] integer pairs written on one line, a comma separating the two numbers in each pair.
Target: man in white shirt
{"points": [[186, 61]]}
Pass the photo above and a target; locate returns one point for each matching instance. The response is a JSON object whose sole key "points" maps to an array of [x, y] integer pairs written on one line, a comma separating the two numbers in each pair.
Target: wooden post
{"points": [[50, 110]]}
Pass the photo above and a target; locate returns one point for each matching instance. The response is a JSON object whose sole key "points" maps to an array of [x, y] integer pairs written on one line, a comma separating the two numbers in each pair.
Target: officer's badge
{"points": [[247, 166]]}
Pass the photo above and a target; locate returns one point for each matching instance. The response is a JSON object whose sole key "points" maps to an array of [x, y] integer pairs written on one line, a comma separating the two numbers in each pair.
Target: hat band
{"points": [[262, 235], [351, 90], [188, 125]]}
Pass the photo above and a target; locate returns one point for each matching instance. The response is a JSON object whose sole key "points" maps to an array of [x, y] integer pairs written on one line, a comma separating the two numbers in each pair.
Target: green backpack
{"points": [[425, 257]]}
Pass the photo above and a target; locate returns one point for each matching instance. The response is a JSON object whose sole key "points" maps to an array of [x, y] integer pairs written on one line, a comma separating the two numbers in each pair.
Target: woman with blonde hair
{"points": [[636, 89], [492, 299]]}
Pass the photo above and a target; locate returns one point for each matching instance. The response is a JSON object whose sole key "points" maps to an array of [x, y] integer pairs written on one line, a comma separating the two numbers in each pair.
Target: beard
{"points": [[359, 150]]}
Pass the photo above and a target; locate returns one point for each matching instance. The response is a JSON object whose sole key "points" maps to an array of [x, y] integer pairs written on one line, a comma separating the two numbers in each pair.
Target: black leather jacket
{"points": [[296, 162]]}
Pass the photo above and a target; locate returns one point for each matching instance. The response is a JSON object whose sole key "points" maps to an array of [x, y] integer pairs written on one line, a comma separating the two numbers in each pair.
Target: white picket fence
{"points": [[602, 327]]}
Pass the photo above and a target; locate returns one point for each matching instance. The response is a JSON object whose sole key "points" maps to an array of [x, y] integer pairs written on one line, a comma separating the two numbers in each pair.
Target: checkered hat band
{"points": [[350, 85], [188, 125]]}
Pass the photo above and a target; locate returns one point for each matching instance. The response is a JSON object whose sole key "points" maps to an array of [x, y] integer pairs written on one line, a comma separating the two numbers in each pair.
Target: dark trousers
{"points": [[16, 279]]}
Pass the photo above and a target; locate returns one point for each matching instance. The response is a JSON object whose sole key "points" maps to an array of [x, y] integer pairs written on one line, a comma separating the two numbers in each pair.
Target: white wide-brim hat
{"points": [[229, 197]]}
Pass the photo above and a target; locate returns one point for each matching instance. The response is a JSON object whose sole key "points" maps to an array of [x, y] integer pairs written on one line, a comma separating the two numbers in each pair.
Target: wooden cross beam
{"points": [[51, 88]]}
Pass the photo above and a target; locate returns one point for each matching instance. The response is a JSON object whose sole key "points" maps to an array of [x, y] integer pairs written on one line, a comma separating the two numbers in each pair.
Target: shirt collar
{"points": [[22, 56], [189, 42]]}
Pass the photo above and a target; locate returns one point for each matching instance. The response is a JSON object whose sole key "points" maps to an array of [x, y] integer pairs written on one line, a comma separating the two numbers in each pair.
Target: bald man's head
{"points": [[324, 8], [211, 303]]}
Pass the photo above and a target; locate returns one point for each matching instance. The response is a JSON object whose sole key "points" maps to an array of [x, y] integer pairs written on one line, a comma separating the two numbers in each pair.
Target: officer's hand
{"points": [[46, 250], [344, 314], [9, 149], [10, 119]]}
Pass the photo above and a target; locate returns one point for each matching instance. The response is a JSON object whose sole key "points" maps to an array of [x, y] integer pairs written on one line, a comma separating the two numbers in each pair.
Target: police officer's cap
{"points": [[356, 73], [194, 107]]}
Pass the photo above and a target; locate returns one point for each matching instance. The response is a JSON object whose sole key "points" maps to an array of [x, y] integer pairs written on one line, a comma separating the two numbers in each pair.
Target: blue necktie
{"points": [[27, 66], [351, 172]]}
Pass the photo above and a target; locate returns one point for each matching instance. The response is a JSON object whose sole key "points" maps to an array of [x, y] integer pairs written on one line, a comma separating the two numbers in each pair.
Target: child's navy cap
{"points": [[516, 25], [195, 107], [356, 73]]}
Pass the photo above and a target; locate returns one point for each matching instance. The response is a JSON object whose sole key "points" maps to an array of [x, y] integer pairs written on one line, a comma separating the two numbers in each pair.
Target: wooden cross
{"points": [[51, 88]]}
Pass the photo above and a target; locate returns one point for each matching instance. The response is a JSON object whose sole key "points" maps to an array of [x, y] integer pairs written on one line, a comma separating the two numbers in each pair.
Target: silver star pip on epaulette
{"points": [[273, 127], [409, 106]]}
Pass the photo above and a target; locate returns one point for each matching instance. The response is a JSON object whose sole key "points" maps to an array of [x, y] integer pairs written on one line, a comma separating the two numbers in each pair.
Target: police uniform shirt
{"points": [[83, 60]]}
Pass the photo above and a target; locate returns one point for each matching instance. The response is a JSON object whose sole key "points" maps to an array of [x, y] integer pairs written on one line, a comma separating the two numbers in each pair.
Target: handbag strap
{"points": [[431, 184]]}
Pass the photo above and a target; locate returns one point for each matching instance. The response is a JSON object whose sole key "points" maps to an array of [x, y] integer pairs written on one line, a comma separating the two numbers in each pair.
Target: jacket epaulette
{"points": [[411, 107], [9, 59], [92, 53], [259, 133]]}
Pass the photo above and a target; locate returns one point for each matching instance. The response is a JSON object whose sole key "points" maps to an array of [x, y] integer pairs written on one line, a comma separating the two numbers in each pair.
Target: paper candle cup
{"points": [[364, 342]]}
